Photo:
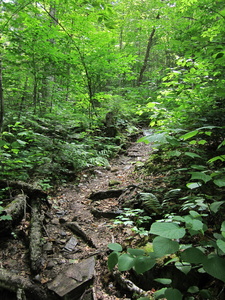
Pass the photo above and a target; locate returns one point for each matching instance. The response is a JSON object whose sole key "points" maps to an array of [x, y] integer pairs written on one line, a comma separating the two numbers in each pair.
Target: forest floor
{"points": [[71, 204]]}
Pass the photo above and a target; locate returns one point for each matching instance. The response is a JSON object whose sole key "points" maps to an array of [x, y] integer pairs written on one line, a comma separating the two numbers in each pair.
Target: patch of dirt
{"points": [[71, 205]]}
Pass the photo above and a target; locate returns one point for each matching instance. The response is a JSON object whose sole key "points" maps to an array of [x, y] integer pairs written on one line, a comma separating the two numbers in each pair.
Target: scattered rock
{"points": [[71, 244], [71, 283]]}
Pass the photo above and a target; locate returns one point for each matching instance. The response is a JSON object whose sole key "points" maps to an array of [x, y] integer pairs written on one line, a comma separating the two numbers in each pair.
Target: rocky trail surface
{"points": [[76, 227]]}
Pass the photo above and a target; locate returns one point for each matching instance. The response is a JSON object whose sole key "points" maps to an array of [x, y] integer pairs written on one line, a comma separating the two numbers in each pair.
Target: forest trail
{"points": [[76, 231], [73, 204]]}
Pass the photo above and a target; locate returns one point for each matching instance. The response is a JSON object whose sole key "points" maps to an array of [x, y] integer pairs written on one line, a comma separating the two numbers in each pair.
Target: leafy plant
{"points": [[134, 218]]}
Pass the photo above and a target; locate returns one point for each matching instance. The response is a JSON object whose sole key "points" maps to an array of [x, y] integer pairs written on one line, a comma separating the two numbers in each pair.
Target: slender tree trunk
{"points": [[147, 54], [1, 99]]}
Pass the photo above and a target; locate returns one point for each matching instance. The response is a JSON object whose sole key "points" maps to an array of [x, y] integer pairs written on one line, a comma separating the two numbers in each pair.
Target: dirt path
{"points": [[73, 233]]}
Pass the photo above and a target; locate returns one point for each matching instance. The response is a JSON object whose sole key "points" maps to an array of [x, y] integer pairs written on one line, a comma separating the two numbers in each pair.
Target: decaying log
{"points": [[105, 214], [13, 282], [35, 237], [80, 232], [29, 189], [95, 196], [129, 285], [16, 210]]}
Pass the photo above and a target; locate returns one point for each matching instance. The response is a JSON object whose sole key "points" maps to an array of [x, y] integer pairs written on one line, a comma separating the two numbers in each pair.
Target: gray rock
{"points": [[71, 244], [72, 281]]}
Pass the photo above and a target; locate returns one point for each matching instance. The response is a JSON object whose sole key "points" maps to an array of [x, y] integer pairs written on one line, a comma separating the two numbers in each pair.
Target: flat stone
{"points": [[73, 280], [71, 244]]}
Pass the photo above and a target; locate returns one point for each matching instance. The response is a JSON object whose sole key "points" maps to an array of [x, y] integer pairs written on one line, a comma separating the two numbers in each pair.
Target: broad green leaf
{"points": [[192, 155], [193, 185], [200, 175], [2, 143], [183, 267], [193, 289], [163, 280], [215, 206], [163, 246], [136, 252], [167, 230], [221, 245], [112, 260], [222, 226], [125, 262], [5, 217], [219, 182], [158, 137], [220, 157], [215, 266], [173, 294], [143, 264], [160, 293], [193, 255], [115, 247], [174, 153], [189, 135]]}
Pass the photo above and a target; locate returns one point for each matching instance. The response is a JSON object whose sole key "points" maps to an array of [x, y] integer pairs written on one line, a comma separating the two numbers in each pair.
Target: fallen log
{"points": [[19, 284], [105, 214], [15, 210], [114, 193], [29, 189], [35, 237]]}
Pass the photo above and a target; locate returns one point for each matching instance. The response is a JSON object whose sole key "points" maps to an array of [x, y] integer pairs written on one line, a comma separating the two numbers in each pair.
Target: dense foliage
{"points": [[66, 66]]}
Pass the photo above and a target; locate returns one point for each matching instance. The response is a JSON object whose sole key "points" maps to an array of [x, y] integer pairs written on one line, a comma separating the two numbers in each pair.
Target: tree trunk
{"points": [[147, 53], [1, 99]]}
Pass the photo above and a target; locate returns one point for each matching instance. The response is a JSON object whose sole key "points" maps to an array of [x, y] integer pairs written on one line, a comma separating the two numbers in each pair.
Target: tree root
{"points": [[35, 237], [79, 231], [20, 285], [129, 285]]}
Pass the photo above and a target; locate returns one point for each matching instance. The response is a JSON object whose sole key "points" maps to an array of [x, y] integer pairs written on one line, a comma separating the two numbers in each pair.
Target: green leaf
{"points": [[215, 266], [193, 255], [125, 262], [222, 226], [115, 247], [219, 182], [163, 280], [183, 267], [215, 206], [189, 135], [160, 293], [220, 157], [193, 289], [143, 264], [221, 245], [163, 246], [6, 217], [192, 155], [200, 175], [136, 252], [2, 143], [112, 260], [193, 185], [173, 294], [167, 230]]}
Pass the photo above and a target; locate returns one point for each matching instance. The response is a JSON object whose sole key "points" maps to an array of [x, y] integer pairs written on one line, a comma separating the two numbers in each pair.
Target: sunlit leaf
{"points": [[167, 230]]}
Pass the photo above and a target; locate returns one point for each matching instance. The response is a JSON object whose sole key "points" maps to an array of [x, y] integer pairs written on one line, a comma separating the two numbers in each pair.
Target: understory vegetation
{"points": [[79, 79]]}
